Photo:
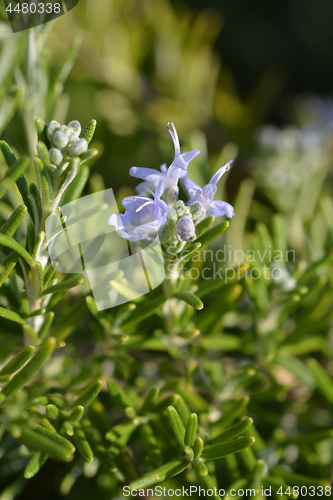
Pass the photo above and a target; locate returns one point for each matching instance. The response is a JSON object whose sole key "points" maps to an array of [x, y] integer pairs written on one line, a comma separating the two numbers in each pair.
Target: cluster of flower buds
{"points": [[65, 141]]}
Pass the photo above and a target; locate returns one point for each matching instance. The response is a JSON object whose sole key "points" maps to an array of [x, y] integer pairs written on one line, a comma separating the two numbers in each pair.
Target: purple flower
{"points": [[169, 176], [206, 195], [143, 216]]}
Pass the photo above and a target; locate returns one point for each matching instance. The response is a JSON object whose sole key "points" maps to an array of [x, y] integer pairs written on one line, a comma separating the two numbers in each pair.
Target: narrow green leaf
{"points": [[89, 130], [99, 450], [31, 237], [212, 233], [121, 433], [8, 154], [324, 381], [17, 361], [150, 442], [118, 394], [13, 174], [67, 428], [198, 447], [312, 270], [14, 221], [7, 266], [220, 450], [14, 245], [34, 192], [50, 434], [164, 472], [200, 467], [43, 444], [163, 404], [207, 484], [46, 324], [181, 406], [76, 414], [4, 379], [50, 273], [35, 464], [189, 252], [45, 157], [82, 445], [89, 395], [191, 429], [52, 411], [12, 316], [204, 225], [88, 155], [149, 401], [63, 286], [248, 458], [24, 375], [191, 299], [41, 127], [232, 431], [74, 190], [176, 424], [124, 290]]}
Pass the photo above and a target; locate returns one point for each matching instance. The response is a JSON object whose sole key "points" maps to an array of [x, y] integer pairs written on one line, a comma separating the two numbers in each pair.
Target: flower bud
{"points": [[66, 130], [185, 230], [74, 137], [52, 127], [197, 210], [75, 126], [55, 156], [60, 139], [172, 217], [77, 148]]}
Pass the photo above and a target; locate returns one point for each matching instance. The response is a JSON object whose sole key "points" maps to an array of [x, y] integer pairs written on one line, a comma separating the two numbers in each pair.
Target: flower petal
{"points": [[219, 208], [209, 191], [191, 187], [173, 132], [147, 174], [217, 176]]}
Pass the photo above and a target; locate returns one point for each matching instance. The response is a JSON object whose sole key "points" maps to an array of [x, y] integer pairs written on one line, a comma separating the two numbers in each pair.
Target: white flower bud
{"points": [[74, 137], [172, 217], [52, 127], [77, 148], [65, 130], [55, 156], [181, 209], [60, 140], [185, 230], [197, 210], [76, 126]]}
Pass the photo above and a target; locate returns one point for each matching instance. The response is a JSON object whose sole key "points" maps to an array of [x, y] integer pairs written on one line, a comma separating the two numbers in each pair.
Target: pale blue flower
{"points": [[143, 216], [206, 195], [169, 176]]}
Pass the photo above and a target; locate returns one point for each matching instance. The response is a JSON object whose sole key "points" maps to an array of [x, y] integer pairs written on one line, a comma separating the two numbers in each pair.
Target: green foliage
{"points": [[223, 381]]}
